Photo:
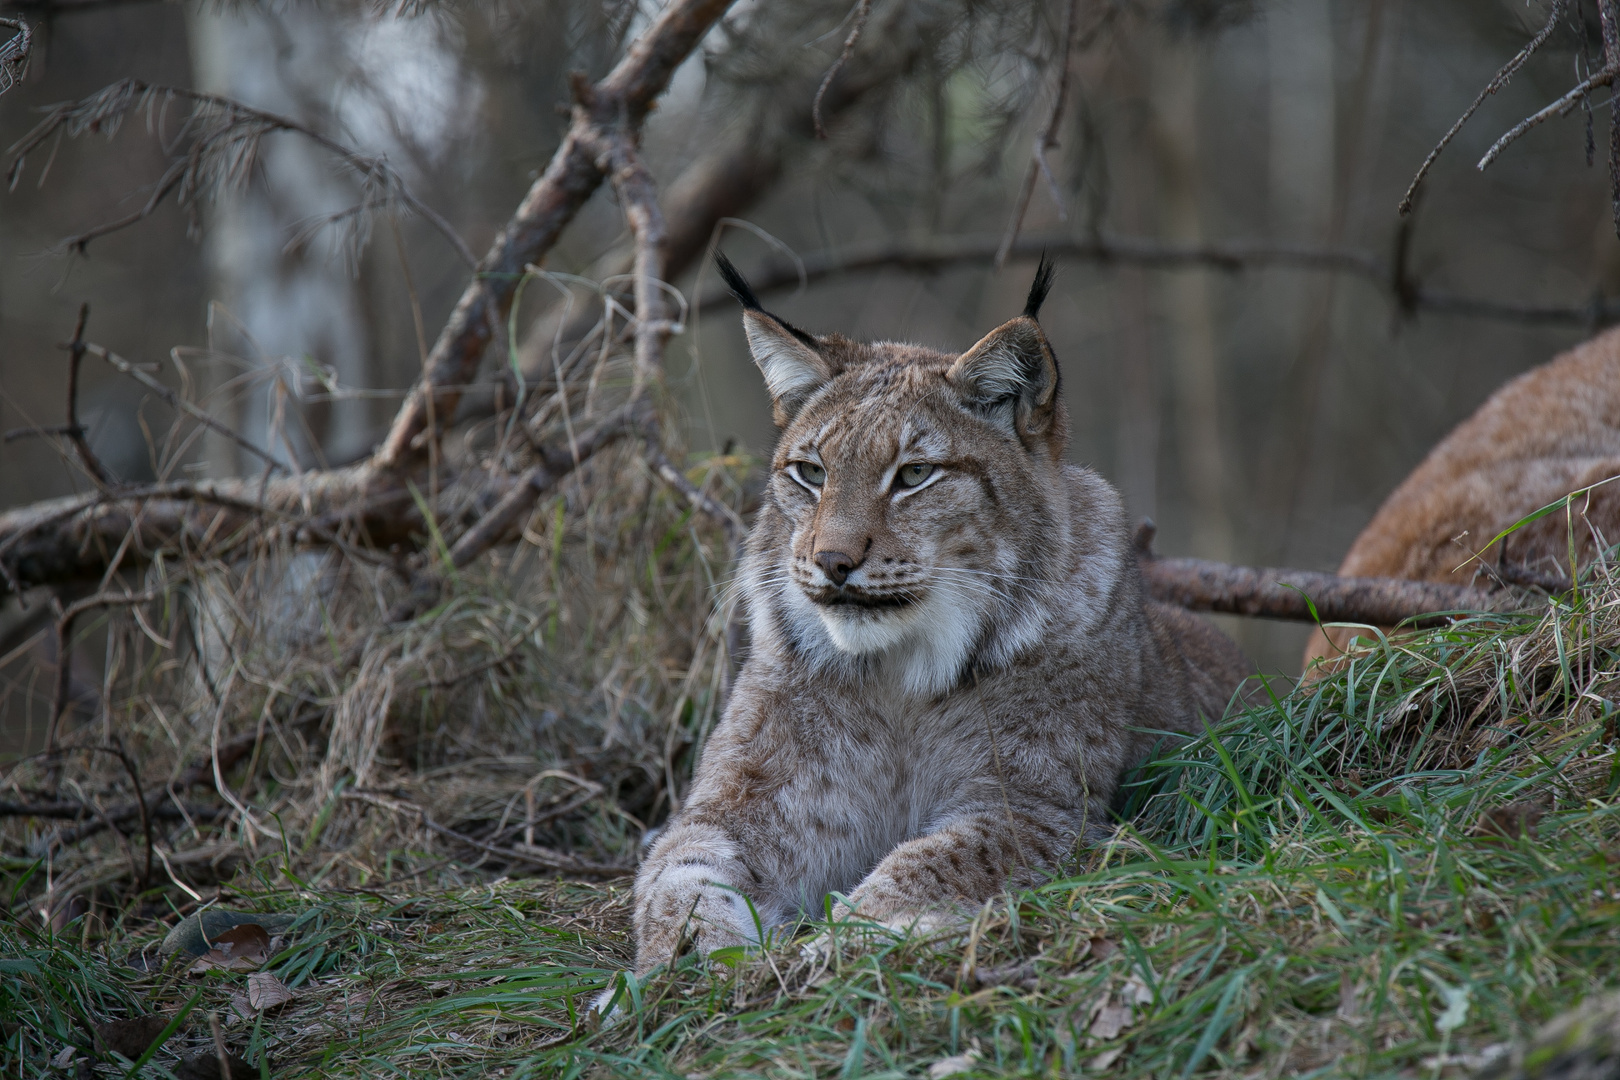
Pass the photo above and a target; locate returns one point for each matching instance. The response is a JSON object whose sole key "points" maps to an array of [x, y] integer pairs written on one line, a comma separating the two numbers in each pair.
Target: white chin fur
{"points": [[924, 645]]}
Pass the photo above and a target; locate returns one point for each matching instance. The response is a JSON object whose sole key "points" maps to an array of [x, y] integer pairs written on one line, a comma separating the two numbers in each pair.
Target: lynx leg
{"points": [[694, 884], [967, 861]]}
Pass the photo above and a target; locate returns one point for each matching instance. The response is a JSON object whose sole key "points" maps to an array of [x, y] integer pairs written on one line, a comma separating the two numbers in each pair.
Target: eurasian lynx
{"points": [[1553, 430], [952, 661]]}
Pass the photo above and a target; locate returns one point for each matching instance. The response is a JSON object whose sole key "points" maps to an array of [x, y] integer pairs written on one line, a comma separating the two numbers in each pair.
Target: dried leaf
{"points": [[1104, 1060], [1100, 948], [952, 1066], [1110, 1021], [64, 1059], [265, 991], [1136, 992], [241, 948]]}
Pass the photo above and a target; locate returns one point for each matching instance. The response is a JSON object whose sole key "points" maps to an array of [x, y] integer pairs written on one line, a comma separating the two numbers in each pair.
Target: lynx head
{"points": [[916, 505]]}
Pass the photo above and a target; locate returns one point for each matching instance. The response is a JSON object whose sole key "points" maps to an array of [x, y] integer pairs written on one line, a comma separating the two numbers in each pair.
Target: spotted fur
{"points": [[948, 675]]}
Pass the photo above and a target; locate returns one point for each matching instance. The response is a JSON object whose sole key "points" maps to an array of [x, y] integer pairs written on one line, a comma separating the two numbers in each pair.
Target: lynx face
{"points": [[915, 500]]}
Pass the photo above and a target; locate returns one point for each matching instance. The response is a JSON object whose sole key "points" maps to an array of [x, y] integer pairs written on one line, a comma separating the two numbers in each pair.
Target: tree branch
{"points": [[1201, 585], [620, 102], [1231, 257]]}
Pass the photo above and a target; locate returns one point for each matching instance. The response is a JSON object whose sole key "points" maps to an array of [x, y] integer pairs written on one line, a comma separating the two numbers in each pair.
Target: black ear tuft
{"points": [[737, 283], [1037, 289], [745, 296]]}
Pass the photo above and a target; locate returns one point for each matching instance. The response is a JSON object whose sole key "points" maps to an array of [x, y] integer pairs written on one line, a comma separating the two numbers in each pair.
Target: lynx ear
{"points": [[1011, 375], [789, 358]]}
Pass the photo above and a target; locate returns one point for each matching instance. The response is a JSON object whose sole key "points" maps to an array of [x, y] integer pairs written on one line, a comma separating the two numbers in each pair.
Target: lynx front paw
{"points": [[686, 903]]}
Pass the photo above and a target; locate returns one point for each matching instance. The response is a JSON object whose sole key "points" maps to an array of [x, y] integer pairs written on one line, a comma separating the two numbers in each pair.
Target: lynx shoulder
{"points": [[1553, 430], [952, 661]]}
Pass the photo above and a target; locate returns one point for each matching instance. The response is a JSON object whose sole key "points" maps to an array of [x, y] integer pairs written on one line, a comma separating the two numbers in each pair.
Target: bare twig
{"points": [[1562, 107], [74, 431], [14, 54], [863, 9], [199, 772], [223, 149], [1509, 69], [180, 404]]}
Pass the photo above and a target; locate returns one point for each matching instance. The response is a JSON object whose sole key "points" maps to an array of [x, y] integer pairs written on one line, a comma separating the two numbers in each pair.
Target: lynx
{"points": [[1551, 431], [952, 661]]}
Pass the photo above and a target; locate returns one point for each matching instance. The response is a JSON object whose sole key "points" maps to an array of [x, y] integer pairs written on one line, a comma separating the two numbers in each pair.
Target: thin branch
{"points": [[1509, 69], [15, 54], [223, 149], [863, 9], [73, 430], [1562, 107], [180, 404], [928, 256]]}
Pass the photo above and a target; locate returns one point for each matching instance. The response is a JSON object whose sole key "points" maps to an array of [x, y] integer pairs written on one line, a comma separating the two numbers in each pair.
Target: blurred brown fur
{"points": [[1549, 432]]}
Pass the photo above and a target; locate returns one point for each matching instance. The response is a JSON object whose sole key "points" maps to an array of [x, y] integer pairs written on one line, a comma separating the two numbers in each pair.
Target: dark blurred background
{"points": [[1259, 415]]}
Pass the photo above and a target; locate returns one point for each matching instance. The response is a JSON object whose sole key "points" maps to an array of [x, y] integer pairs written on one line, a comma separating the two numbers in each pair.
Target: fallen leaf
{"points": [[241, 948], [1102, 1061], [265, 991], [1110, 1021], [1100, 947], [241, 1008], [131, 1037], [952, 1066], [1136, 992], [64, 1059]]}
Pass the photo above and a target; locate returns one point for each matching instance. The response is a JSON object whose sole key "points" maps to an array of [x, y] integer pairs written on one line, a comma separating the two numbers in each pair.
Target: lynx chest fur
{"points": [[952, 662]]}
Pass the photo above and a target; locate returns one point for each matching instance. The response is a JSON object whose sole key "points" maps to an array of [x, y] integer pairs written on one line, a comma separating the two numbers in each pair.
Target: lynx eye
{"points": [[810, 473], [911, 475]]}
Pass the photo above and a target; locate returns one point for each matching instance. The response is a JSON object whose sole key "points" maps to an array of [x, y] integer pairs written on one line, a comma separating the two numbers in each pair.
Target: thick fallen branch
{"points": [[1261, 592]]}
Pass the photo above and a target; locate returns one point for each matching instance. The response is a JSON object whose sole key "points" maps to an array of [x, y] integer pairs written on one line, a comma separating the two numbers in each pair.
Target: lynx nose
{"points": [[836, 565]]}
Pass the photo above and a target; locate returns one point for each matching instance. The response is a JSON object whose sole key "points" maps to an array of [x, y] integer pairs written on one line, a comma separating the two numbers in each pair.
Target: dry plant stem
{"points": [[544, 857], [201, 772], [64, 650], [180, 404], [863, 10], [1047, 140], [617, 104], [1202, 585], [1509, 69]]}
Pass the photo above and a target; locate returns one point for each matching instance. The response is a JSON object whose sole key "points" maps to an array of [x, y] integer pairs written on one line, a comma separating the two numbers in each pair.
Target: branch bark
{"points": [[1261, 592]]}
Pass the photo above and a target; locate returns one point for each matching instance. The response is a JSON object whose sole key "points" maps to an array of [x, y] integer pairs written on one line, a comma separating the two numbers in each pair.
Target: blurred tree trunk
{"points": [[1302, 193], [272, 308], [1177, 92]]}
